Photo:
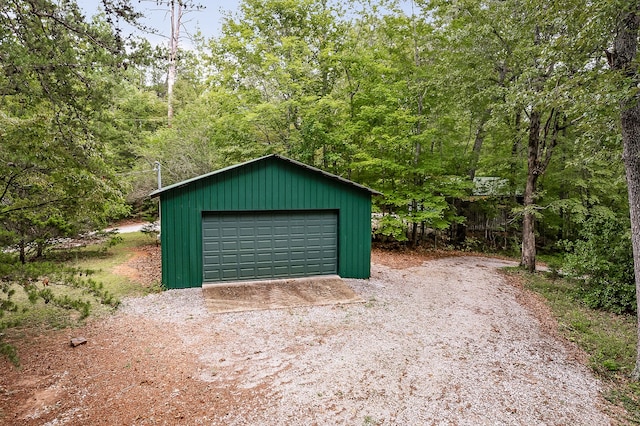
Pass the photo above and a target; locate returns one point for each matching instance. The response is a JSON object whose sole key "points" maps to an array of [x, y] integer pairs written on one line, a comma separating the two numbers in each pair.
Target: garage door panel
{"points": [[314, 230], [314, 269], [264, 271], [263, 257], [298, 270], [210, 233], [246, 230], [264, 231], [211, 247], [229, 258], [297, 230], [262, 245], [329, 254], [247, 272], [297, 243], [281, 244], [229, 274], [281, 271], [229, 247], [280, 258], [298, 255], [247, 245], [229, 232], [314, 253]]}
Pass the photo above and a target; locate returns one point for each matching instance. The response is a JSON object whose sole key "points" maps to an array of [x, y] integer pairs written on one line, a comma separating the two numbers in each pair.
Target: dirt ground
{"points": [[439, 341], [143, 267]]}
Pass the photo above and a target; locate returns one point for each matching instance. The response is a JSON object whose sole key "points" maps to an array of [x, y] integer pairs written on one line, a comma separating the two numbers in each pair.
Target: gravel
{"points": [[445, 343]]}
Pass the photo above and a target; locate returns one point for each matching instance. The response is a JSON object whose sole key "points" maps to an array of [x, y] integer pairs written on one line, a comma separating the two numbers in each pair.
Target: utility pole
{"points": [[157, 167]]}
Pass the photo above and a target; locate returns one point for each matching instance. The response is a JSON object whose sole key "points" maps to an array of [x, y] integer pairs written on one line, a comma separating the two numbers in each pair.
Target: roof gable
{"points": [[276, 157]]}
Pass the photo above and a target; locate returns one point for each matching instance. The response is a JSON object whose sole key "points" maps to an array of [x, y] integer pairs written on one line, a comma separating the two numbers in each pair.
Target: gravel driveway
{"points": [[445, 343]]}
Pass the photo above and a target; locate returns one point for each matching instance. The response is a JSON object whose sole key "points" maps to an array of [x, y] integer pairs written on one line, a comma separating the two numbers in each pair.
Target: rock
{"points": [[78, 341]]}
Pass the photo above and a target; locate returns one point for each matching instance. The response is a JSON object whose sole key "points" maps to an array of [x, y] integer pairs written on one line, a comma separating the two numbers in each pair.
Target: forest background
{"points": [[486, 124]]}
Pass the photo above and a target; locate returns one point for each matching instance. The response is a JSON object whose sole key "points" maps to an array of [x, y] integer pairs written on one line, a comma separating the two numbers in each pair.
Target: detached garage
{"points": [[268, 218]]}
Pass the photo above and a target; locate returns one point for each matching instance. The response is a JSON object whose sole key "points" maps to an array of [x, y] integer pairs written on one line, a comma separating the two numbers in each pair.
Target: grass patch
{"points": [[102, 263], [608, 339], [96, 263]]}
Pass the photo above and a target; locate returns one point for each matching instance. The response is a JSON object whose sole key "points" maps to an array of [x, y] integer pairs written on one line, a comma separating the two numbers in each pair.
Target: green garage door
{"points": [[264, 245]]}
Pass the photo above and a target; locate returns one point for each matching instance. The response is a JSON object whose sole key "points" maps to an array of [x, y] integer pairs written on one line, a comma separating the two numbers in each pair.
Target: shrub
{"points": [[603, 259]]}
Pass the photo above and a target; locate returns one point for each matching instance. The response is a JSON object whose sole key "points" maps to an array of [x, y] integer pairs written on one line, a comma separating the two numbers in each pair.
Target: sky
{"points": [[207, 20]]}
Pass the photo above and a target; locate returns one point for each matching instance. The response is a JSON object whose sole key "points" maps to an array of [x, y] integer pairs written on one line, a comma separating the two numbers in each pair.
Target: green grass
{"points": [[553, 260], [99, 258], [608, 339], [102, 262]]}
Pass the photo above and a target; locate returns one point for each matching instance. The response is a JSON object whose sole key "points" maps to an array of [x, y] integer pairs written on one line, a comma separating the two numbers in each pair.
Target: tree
{"points": [[534, 82], [214, 131], [623, 59], [177, 11], [280, 54], [56, 75], [406, 128], [176, 8]]}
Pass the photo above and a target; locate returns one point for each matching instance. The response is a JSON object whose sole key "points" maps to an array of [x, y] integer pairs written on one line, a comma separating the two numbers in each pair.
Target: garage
{"points": [[271, 217], [267, 245]]}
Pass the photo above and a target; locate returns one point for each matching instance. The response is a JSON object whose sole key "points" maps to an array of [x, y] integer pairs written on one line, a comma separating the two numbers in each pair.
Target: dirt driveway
{"points": [[445, 343]]}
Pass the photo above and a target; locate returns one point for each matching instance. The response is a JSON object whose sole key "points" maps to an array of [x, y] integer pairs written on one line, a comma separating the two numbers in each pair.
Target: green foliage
{"points": [[114, 240], [53, 284], [57, 76], [408, 104], [9, 352], [390, 226], [603, 259]]}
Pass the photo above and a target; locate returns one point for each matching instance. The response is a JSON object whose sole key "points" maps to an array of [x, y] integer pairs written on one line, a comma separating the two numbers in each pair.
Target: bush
{"points": [[603, 259]]}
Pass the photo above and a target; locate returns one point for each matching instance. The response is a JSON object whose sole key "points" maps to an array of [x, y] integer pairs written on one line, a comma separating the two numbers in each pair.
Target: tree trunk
{"points": [[414, 225], [23, 257], [176, 17], [631, 156], [623, 59], [477, 144], [515, 148], [528, 260]]}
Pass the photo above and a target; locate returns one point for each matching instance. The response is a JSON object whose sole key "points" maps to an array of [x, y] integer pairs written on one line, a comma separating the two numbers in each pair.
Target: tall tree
{"points": [[56, 74], [406, 130], [177, 10], [538, 69], [281, 54], [623, 59]]}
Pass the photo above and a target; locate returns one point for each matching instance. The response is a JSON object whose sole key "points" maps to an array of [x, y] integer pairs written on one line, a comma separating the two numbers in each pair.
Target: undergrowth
{"points": [[67, 288], [607, 338]]}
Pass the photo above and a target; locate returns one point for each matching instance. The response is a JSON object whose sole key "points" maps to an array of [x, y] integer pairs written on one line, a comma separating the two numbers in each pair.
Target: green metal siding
{"points": [[265, 245], [271, 184]]}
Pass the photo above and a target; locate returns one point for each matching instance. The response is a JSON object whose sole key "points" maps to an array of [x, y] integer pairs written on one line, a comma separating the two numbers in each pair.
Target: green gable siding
{"points": [[270, 184]]}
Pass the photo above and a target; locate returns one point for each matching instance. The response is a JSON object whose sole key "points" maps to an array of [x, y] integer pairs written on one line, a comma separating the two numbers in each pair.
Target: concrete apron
{"points": [[240, 296]]}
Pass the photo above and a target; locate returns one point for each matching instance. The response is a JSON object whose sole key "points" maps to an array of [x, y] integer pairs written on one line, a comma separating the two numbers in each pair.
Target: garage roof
{"points": [[157, 192]]}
